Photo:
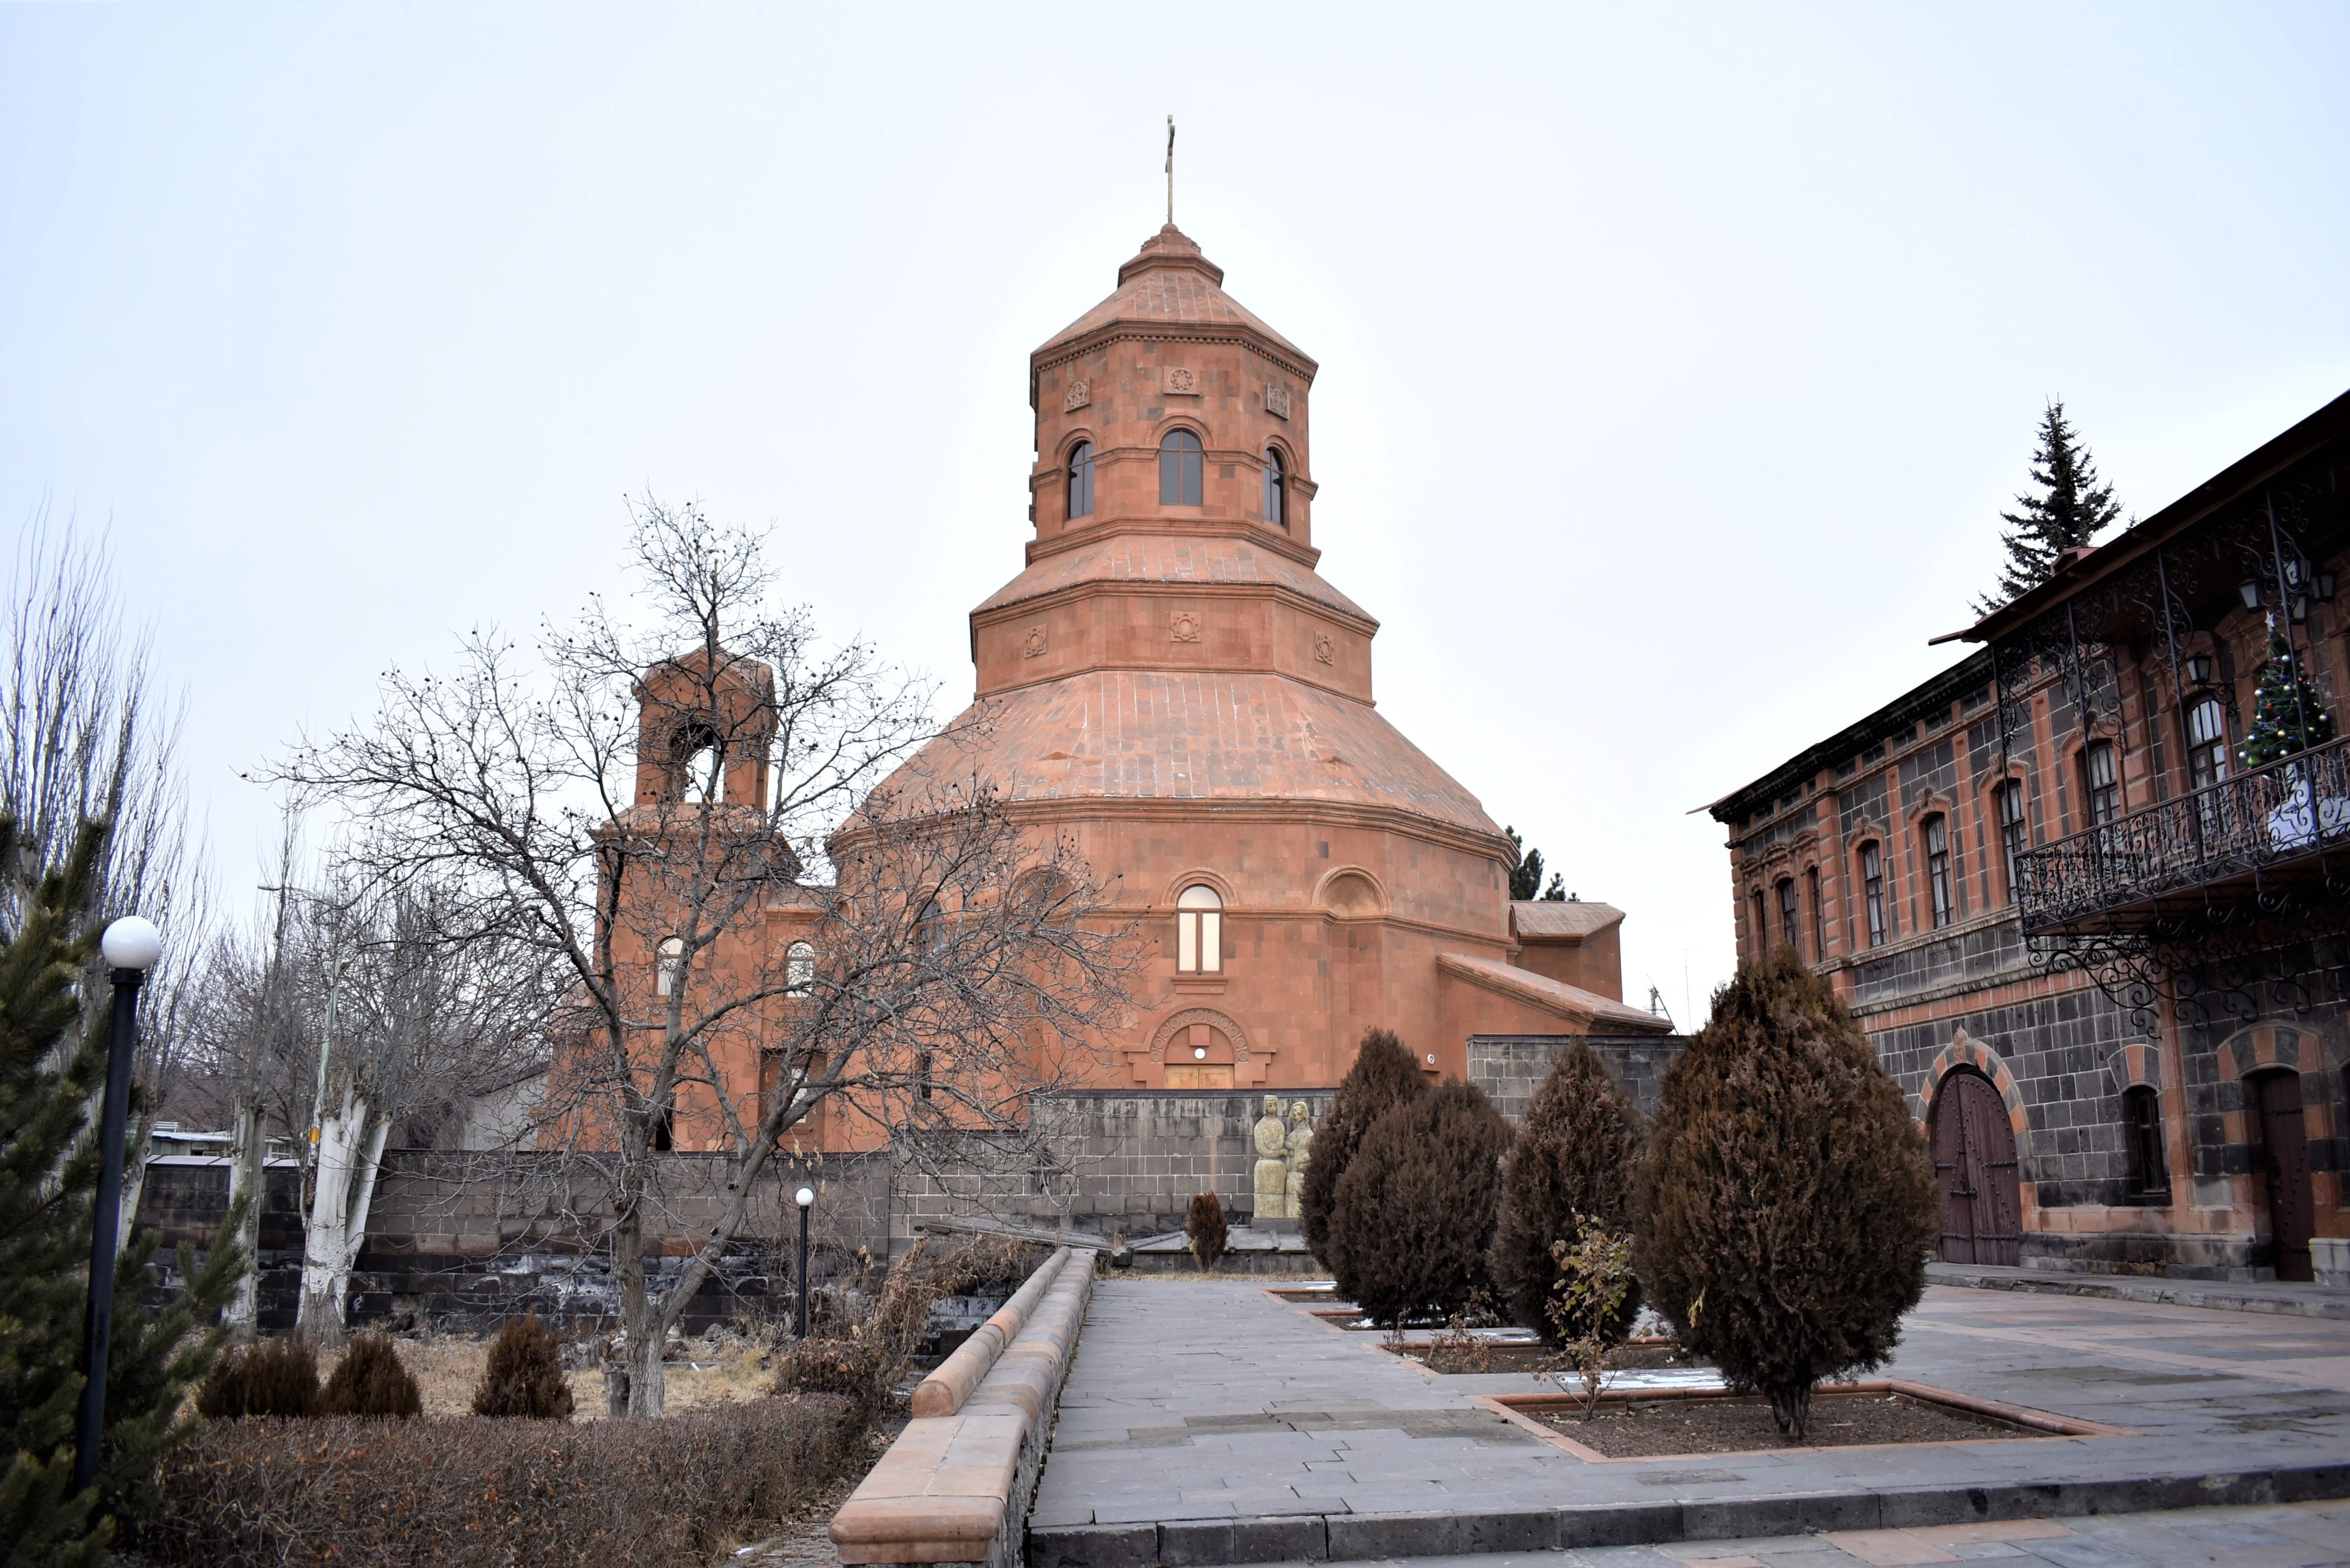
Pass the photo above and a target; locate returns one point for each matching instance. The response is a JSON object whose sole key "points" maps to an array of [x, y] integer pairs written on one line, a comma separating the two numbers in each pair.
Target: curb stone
{"points": [[1350, 1537]]}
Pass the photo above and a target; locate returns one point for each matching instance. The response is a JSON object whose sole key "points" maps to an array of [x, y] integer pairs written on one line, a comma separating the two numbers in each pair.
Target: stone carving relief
{"points": [[1035, 645], [1276, 401], [1183, 625], [1182, 381], [1324, 648], [1283, 1150], [1078, 397]]}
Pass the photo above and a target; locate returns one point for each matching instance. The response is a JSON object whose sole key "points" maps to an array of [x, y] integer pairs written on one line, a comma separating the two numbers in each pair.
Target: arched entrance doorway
{"points": [[1200, 1057], [1975, 1166], [2279, 1151]]}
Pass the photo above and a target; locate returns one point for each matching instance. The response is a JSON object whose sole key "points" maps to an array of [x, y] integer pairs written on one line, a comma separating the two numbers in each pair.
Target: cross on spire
{"points": [[1170, 168]]}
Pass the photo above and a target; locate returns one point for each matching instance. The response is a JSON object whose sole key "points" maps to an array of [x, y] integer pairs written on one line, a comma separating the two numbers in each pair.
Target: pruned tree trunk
{"points": [[633, 1384], [350, 1150], [248, 1173]]}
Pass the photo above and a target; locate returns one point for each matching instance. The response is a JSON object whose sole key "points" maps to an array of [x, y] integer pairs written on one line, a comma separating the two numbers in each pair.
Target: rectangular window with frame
{"points": [[2142, 1134], [2012, 831], [2101, 771], [1819, 914], [1937, 870], [1789, 916], [1872, 883]]}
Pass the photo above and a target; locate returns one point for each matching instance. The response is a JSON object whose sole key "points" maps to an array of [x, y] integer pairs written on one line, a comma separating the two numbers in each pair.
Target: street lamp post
{"points": [[805, 1199], [130, 947]]}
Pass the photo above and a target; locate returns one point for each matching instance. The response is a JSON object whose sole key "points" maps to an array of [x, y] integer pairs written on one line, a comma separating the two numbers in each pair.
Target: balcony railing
{"points": [[2185, 852]]}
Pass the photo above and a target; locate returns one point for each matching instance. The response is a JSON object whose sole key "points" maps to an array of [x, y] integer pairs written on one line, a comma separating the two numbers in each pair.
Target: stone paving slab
{"points": [[1213, 1423]]}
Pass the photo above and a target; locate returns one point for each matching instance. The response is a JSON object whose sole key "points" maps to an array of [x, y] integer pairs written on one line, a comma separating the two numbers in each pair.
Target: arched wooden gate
{"points": [[1975, 1166]]}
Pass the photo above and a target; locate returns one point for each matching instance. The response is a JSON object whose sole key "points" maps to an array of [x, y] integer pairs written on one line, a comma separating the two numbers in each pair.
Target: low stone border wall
{"points": [[944, 1392], [955, 1487]]}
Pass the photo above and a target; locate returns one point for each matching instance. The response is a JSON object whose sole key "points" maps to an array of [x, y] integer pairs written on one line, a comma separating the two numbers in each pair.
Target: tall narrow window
{"points": [[1872, 885], [931, 929], [665, 968], [2101, 771], [1819, 915], [1276, 489], [2142, 1133], [1180, 469], [799, 967], [1788, 916], [1937, 870], [1199, 930], [2207, 742], [1081, 481], [1762, 929], [2010, 801]]}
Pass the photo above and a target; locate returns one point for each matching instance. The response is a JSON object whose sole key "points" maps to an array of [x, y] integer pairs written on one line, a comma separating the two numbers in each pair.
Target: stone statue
{"points": [[1301, 1149], [1272, 1164]]}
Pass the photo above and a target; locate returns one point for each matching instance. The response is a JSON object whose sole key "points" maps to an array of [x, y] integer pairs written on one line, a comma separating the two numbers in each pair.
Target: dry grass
{"points": [[446, 1367]]}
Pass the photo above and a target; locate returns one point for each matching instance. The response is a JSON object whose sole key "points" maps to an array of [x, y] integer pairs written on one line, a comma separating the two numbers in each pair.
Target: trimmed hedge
{"points": [[473, 1491], [268, 1378], [370, 1381]]}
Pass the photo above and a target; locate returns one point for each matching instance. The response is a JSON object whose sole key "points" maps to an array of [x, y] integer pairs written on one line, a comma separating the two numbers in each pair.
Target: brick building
{"points": [[2105, 958]]}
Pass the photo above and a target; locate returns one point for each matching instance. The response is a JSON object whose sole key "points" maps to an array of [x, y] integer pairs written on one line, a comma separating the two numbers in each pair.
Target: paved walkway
{"points": [[2250, 1296], [2296, 1535], [1201, 1416]]}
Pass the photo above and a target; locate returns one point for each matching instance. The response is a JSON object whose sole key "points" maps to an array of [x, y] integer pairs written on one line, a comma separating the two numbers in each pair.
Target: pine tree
{"points": [[2287, 716], [1788, 1200], [2071, 509], [1384, 1075], [50, 1067], [1525, 881], [1575, 1155]]}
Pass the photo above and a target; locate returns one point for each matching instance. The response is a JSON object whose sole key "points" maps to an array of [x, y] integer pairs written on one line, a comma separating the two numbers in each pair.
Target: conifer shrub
{"points": [[1384, 1074], [1576, 1154], [52, 1064], [370, 1381], [523, 1376], [1787, 1201], [267, 1377], [1204, 1224], [1414, 1214]]}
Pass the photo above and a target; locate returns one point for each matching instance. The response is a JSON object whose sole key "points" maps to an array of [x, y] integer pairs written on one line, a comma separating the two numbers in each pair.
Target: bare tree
{"points": [[87, 735], [646, 804]]}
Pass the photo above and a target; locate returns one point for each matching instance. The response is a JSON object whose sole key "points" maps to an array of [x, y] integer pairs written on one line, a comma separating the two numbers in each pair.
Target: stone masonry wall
{"points": [[1508, 1066]]}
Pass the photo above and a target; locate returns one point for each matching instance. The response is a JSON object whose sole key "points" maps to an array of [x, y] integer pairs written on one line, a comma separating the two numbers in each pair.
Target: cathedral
{"points": [[1172, 683], [1170, 687]]}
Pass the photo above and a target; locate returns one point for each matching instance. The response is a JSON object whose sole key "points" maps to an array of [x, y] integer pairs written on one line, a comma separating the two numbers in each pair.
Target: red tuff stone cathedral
{"points": [[1173, 685]]}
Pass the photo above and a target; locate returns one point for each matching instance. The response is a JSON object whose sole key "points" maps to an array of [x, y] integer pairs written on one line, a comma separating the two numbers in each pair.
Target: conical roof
{"points": [[1171, 281]]}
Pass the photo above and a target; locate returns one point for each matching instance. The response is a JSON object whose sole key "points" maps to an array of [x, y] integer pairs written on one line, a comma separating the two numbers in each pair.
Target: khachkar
{"points": [[1282, 1151]]}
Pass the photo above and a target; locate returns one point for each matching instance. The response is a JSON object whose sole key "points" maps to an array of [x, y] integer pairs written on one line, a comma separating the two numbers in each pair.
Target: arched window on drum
{"points": [[1199, 930], [799, 966]]}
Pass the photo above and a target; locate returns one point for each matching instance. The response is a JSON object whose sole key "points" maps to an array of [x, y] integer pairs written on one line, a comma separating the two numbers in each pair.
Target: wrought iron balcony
{"points": [[2241, 841]]}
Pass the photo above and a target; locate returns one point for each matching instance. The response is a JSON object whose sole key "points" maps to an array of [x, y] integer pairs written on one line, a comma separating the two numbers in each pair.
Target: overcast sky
{"points": [[1675, 364]]}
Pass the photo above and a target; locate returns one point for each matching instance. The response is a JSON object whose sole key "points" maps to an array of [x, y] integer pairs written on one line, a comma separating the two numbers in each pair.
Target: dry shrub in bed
{"points": [[856, 1369], [1204, 1224], [273, 1378], [524, 1375], [467, 1491], [370, 1381]]}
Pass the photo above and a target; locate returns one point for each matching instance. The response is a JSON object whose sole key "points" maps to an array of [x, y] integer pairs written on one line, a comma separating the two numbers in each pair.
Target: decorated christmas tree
{"points": [[2287, 715]]}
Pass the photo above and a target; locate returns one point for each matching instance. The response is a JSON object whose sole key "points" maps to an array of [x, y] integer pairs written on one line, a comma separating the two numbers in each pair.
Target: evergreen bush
{"points": [[370, 1381], [1577, 1154], [1415, 1212], [1204, 1224], [523, 1376], [1384, 1074], [269, 1377], [1788, 1200], [52, 1064]]}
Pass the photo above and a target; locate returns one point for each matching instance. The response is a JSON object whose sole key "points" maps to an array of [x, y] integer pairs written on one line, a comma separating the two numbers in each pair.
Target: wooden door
{"points": [[1974, 1162], [2283, 1160]]}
